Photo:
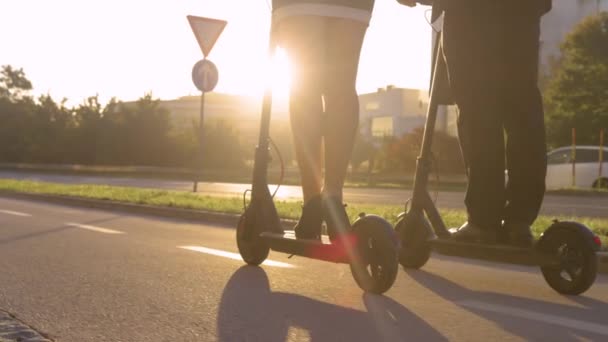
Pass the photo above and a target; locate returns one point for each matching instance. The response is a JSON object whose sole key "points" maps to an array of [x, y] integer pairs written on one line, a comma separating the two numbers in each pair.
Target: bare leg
{"points": [[345, 39], [306, 128], [302, 37]]}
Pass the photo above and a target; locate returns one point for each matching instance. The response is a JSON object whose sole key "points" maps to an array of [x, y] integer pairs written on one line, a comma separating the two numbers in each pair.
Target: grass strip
{"points": [[286, 209]]}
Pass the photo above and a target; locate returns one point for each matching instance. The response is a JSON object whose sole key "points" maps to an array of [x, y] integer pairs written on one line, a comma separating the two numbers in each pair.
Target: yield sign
{"points": [[206, 31]]}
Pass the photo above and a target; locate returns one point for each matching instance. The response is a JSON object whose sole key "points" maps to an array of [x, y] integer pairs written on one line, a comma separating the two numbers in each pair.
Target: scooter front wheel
{"points": [[374, 254], [414, 231], [577, 267], [252, 248]]}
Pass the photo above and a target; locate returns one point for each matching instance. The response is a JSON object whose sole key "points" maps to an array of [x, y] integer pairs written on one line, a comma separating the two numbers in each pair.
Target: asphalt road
{"points": [[591, 206], [89, 275]]}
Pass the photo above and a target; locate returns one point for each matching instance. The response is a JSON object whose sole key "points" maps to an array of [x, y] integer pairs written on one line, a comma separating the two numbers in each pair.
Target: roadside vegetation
{"points": [[234, 205]]}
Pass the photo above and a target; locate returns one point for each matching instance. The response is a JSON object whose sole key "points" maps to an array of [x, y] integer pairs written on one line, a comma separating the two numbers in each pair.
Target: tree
{"points": [[87, 119], [400, 154], [363, 151], [13, 83], [147, 125], [48, 132], [222, 147], [577, 94], [15, 114]]}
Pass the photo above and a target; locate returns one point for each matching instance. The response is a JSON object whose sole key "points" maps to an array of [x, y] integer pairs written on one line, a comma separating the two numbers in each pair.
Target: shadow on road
{"points": [[251, 311], [545, 327], [33, 235]]}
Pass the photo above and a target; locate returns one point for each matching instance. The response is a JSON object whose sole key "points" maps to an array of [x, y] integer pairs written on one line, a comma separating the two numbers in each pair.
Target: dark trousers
{"points": [[491, 54]]}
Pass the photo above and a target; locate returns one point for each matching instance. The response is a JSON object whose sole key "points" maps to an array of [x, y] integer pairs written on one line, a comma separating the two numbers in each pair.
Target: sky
{"points": [[74, 49]]}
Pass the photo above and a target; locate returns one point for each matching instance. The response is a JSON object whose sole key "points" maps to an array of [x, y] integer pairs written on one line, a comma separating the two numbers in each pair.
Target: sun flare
{"points": [[281, 70]]}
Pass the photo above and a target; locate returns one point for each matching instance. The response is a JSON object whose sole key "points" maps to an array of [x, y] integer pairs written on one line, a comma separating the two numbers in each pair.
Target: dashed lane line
{"points": [[15, 213], [234, 256], [94, 228], [594, 328]]}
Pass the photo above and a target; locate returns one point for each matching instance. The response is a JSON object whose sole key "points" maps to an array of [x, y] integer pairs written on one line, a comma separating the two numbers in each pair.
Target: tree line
{"points": [[42, 130]]}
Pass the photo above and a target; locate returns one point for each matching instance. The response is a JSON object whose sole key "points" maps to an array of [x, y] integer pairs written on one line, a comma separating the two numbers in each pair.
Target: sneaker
{"points": [[470, 232], [309, 225], [520, 234], [335, 216]]}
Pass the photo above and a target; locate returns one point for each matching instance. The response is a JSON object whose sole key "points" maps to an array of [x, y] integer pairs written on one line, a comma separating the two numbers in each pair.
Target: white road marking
{"points": [[539, 317], [234, 256], [94, 228], [14, 213]]}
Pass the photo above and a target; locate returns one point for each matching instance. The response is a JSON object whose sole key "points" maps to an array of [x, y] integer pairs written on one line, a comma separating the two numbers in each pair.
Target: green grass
{"points": [[286, 209], [353, 180]]}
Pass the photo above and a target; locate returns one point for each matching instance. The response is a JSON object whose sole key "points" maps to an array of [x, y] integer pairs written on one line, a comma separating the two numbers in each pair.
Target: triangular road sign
{"points": [[206, 31]]}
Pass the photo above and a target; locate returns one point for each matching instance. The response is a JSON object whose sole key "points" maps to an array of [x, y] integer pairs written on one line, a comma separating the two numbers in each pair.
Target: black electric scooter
{"points": [[566, 251], [371, 247]]}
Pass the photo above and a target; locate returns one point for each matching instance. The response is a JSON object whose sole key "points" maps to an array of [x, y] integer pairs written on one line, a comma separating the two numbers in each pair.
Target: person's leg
{"points": [[344, 40], [300, 37], [470, 40], [524, 123]]}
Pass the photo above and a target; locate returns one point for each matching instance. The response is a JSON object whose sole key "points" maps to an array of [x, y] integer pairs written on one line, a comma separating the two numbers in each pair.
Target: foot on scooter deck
{"points": [[495, 252], [317, 249]]}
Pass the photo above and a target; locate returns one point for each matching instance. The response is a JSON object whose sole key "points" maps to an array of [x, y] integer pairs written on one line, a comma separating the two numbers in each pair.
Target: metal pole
{"points": [[573, 156], [201, 133], [601, 159]]}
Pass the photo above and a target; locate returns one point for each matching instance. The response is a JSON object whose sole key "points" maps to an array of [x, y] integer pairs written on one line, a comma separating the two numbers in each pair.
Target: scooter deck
{"points": [[316, 249], [497, 253]]}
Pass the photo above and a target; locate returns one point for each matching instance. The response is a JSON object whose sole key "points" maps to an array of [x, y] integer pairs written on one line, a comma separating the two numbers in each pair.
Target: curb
{"points": [[12, 329], [177, 213], [212, 217]]}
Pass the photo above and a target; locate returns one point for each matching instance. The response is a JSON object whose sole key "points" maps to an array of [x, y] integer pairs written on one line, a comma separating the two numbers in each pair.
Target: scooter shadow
{"points": [[251, 311], [547, 328]]}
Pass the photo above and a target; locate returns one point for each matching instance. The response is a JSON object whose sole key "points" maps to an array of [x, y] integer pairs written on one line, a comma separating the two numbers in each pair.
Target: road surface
{"points": [[90, 275], [590, 206]]}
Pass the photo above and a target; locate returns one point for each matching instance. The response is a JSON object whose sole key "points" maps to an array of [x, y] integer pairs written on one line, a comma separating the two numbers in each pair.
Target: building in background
{"points": [[240, 112], [391, 111]]}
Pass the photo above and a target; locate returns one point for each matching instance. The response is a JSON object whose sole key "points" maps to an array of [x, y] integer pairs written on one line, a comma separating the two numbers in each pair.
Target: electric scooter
{"points": [[565, 252], [370, 246]]}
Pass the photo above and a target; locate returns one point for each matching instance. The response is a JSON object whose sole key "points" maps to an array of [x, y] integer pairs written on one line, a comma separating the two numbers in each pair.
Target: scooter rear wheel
{"points": [[252, 248], [374, 264], [577, 268]]}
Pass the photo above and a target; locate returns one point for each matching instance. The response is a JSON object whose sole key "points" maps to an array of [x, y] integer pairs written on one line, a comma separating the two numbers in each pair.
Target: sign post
{"points": [[601, 158], [204, 73]]}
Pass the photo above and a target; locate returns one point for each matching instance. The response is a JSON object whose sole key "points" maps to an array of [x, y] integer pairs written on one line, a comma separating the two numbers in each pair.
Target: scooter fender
{"points": [[376, 222], [588, 236], [401, 216]]}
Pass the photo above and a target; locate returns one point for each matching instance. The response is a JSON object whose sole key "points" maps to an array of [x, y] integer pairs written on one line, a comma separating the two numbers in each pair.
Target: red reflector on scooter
{"points": [[597, 241], [339, 251]]}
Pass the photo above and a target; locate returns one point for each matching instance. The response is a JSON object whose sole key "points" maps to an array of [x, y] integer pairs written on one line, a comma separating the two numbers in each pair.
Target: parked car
{"points": [[587, 168]]}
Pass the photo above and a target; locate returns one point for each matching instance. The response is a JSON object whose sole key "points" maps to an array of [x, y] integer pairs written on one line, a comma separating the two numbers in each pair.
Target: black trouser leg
{"points": [[492, 59], [523, 119]]}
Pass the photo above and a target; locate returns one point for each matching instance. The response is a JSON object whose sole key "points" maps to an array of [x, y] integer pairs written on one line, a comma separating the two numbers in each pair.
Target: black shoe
{"points": [[470, 232], [335, 216], [519, 234], [309, 225]]}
